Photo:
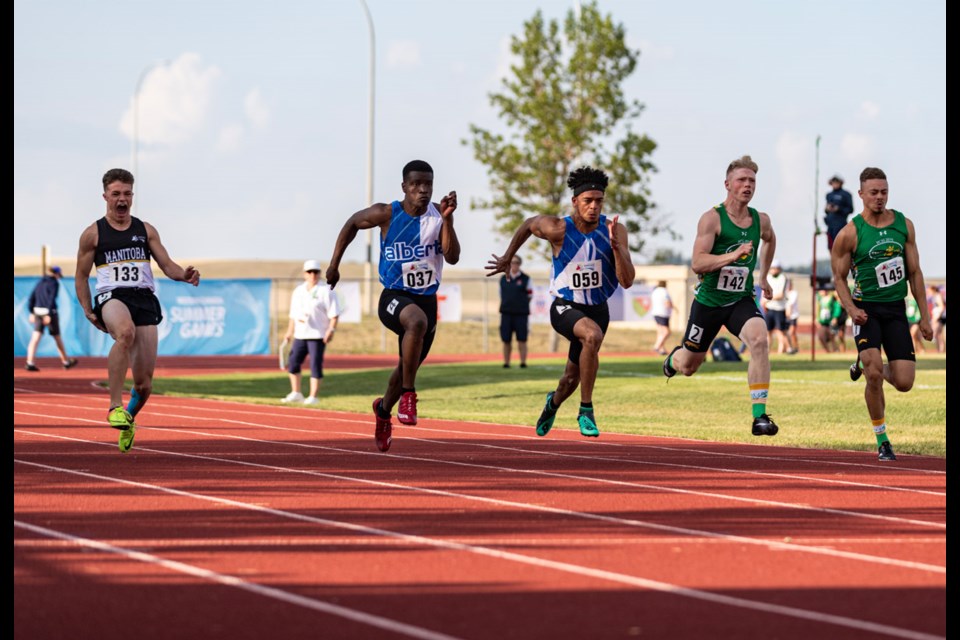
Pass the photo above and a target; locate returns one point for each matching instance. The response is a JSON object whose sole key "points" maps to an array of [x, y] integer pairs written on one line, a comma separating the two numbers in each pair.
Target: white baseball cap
{"points": [[775, 265], [312, 265]]}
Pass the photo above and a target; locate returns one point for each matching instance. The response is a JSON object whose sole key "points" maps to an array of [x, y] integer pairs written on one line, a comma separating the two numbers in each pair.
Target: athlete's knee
{"points": [[416, 325], [125, 336], [592, 340], [690, 365], [902, 384]]}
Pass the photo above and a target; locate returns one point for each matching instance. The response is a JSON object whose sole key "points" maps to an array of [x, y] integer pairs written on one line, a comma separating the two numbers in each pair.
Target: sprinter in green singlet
{"points": [[727, 249], [880, 245]]}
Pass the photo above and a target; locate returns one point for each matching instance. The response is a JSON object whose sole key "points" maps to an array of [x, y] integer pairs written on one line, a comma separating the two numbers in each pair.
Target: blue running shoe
{"points": [[588, 425], [547, 416]]}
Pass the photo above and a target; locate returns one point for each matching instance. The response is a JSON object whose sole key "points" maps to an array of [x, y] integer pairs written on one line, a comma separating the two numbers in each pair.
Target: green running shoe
{"points": [[125, 442], [545, 421], [120, 418], [588, 426]]}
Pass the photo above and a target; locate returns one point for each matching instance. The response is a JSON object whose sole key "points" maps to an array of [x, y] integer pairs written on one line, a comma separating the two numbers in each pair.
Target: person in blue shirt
{"points": [[838, 209], [416, 238], [591, 258], [43, 315]]}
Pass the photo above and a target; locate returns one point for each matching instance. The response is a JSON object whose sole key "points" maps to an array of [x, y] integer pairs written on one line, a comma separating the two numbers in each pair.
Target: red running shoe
{"points": [[407, 411], [384, 433]]}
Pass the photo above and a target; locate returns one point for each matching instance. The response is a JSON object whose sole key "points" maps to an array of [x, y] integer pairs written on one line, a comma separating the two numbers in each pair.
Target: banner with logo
{"points": [[634, 305], [348, 295], [220, 317], [540, 304], [449, 303]]}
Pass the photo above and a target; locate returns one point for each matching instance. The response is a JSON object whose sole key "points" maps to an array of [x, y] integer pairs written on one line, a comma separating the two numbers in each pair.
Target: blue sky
{"points": [[253, 116]]}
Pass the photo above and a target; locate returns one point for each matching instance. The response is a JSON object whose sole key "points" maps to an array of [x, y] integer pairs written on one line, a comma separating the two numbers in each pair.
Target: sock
{"points": [[406, 390], [586, 407], [670, 361], [135, 404], [552, 407], [880, 430], [758, 394], [381, 411]]}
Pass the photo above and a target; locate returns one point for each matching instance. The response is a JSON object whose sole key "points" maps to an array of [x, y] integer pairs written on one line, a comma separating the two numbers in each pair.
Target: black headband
{"points": [[587, 186]]}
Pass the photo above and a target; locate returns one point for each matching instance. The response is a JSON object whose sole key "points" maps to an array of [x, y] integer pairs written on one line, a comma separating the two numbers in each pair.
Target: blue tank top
{"points": [[411, 257], [584, 271]]}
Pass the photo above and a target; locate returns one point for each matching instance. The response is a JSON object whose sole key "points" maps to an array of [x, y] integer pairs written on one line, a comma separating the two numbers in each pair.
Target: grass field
{"points": [[815, 403]]}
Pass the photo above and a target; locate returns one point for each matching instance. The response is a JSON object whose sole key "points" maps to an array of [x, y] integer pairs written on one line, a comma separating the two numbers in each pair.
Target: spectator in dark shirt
{"points": [[43, 313], [838, 209], [515, 295]]}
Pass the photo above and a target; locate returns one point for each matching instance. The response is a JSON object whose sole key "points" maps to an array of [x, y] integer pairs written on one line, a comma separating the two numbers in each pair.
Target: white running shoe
{"points": [[311, 401], [293, 396]]}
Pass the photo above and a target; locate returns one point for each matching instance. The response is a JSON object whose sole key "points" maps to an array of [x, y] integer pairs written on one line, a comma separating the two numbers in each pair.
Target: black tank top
{"points": [[122, 258]]}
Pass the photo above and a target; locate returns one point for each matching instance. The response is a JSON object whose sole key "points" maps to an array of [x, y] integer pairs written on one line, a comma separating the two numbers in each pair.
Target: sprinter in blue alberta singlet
{"points": [[416, 238], [591, 258]]}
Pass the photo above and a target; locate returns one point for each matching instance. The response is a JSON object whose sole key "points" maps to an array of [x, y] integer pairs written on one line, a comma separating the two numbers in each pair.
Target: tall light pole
{"points": [[368, 266], [135, 142]]}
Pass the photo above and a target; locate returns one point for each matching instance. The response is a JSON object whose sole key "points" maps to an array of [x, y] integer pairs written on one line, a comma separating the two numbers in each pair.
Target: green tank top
{"points": [[879, 267], [735, 281]]}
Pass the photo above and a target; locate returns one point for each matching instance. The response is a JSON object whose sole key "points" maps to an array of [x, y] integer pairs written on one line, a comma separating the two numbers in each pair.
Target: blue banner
{"points": [[220, 317]]}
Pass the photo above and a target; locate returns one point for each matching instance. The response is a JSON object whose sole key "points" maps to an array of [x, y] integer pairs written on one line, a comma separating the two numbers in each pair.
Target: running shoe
{"points": [[69, 364], [311, 400], [293, 396], [31, 367], [764, 426], [547, 416], [667, 369], [120, 418], [886, 452], [407, 409], [588, 425], [856, 371], [384, 432]]}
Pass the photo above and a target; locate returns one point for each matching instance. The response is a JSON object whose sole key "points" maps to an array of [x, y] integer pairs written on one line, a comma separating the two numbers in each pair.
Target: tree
{"points": [[563, 105]]}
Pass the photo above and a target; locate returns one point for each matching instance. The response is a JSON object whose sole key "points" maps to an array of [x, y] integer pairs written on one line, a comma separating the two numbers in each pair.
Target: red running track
{"points": [[239, 521]]}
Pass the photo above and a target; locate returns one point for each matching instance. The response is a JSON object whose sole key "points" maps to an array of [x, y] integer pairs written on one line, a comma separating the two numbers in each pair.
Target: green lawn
{"points": [[815, 403]]}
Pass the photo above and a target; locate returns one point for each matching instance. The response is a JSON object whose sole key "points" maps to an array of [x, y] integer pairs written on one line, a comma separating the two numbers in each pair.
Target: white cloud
{"points": [[403, 54], [869, 110], [174, 99], [258, 113], [858, 148], [230, 138]]}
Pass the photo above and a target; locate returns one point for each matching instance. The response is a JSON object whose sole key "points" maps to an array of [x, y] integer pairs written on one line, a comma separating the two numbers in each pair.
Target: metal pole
{"points": [[368, 265], [813, 271]]}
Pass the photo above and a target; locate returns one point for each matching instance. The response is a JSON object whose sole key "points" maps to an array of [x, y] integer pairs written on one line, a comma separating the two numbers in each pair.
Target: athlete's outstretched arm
{"points": [[376, 215], [170, 268], [707, 231], [449, 243], [626, 272], [917, 286], [841, 257], [549, 228], [85, 257], [768, 247]]}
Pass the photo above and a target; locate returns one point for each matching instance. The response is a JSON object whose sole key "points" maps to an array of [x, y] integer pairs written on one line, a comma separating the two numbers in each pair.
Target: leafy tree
{"points": [[564, 107]]}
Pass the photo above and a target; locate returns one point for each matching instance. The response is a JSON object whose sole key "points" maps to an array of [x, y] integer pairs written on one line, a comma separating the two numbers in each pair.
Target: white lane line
{"points": [[610, 576], [524, 506], [311, 415], [631, 447], [521, 539], [379, 622], [499, 468]]}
